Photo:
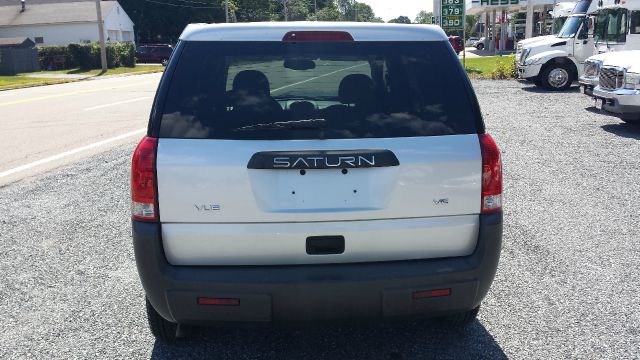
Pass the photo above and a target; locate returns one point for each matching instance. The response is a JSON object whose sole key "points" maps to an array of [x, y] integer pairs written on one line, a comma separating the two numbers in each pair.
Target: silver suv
{"points": [[314, 171]]}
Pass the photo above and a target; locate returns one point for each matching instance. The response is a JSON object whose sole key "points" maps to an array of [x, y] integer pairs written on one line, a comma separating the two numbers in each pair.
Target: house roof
{"points": [[52, 13], [16, 41]]}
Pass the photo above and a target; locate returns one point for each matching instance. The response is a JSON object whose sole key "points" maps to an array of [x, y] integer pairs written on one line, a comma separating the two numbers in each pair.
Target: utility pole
{"points": [[355, 8], [315, 9], [103, 48], [226, 10], [286, 14]]}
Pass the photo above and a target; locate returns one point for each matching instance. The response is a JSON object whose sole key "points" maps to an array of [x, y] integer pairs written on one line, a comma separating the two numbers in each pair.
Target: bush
{"points": [[83, 56], [127, 53], [55, 56], [87, 56], [504, 71]]}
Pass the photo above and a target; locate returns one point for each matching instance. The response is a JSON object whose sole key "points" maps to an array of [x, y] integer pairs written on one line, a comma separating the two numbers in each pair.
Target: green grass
{"points": [[98, 72], [21, 80], [15, 82], [484, 66]]}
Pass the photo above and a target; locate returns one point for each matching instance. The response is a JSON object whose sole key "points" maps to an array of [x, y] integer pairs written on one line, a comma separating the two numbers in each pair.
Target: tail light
{"points": [[329, 36], [144, 204], [491, 175]]}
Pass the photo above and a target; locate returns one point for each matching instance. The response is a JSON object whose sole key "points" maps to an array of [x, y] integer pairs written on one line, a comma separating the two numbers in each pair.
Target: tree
{"points": [[328, 13], [423, 17], [164, 23], [470, 25], [401, 20]]}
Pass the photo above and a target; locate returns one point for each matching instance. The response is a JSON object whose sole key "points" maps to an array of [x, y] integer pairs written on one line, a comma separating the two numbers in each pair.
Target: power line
{"points": [[182, 6]]}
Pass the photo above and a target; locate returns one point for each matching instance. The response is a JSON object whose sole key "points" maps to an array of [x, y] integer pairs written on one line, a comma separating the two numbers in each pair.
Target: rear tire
{"points": [[460, 320], [160, 328], [557, 77], [480, 46]]}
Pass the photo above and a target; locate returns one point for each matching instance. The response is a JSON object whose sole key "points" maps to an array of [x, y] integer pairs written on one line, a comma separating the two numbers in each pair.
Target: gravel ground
{"points": [[566, 288]]}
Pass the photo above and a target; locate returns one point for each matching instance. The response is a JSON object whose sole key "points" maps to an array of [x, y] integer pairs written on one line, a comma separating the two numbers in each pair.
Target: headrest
{"points": [[355, 89], [303, 107], [252, 81]]}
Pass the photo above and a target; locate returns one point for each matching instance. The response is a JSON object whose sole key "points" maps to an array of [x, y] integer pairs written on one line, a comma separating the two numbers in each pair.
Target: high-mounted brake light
{"points": [[329, 36], [144, 205], [491, 175]]}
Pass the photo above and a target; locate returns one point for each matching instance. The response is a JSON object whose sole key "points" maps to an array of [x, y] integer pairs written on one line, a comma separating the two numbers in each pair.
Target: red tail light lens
{"points": [[335, 36], [491, 175], [143, 181], [219, 301]]}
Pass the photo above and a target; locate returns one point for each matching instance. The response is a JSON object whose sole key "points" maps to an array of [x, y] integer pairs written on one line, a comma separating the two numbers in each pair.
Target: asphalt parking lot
{"points": [[567, 285]]}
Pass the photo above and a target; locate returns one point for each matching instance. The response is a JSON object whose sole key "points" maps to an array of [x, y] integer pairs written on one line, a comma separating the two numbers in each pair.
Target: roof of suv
{"points": [[275, 31]]}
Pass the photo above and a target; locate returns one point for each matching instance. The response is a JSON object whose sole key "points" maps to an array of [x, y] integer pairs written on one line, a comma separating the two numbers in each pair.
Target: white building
{"points": [[60, 23]]}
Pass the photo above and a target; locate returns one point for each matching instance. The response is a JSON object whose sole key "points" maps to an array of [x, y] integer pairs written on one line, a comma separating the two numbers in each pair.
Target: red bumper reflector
{"points": [[431, 293], [218, 301]]}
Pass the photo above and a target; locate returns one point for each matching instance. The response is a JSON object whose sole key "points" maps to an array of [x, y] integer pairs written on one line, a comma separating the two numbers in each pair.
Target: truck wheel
{"points": [[537, 81], [461, 319], [160, 328], [557, 77], [480, 46]]}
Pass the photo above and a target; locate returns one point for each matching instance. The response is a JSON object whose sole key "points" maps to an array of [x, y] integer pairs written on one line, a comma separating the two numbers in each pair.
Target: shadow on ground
{"points": [[414, 340], [631, 131], [540, 90]]}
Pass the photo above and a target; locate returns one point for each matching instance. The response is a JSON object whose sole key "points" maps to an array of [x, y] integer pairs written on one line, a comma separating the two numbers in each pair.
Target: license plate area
{"points": [[599, 103], [324, 190]]}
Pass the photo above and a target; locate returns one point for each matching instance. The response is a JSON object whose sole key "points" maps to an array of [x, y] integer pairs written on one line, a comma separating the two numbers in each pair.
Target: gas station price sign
{"points": [[452, 14]]}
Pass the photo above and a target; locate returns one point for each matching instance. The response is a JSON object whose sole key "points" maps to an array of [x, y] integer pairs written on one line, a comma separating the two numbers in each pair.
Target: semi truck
{"points": [[556, 62], [560, 14]]}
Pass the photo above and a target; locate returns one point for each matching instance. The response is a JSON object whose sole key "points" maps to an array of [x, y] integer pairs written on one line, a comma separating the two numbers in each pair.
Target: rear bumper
{"points": [[315, 292]]}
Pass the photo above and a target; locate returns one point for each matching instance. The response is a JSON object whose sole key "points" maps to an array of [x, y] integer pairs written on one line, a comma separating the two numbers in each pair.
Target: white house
{"points": [[52, 22]]}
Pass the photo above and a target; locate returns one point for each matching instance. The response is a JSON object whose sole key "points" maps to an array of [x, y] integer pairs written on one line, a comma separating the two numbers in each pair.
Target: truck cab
{"points": [[616, 28], [560, 14], [555, 63]]}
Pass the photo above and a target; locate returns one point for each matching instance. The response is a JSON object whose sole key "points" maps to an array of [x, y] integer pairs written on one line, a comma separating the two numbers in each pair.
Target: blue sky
{"points": [[390, 9]]}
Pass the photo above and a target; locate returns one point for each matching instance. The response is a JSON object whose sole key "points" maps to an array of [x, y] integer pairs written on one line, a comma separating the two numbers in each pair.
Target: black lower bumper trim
{"points": [[316, 292]]}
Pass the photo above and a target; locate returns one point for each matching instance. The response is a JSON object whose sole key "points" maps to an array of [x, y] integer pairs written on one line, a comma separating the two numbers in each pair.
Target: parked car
{"points": [[311, 172], [618, 89], [480, 43], [471, 41], [154, 53], [456, 43]]}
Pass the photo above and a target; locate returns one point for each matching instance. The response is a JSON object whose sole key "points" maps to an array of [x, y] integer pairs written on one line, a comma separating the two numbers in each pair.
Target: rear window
{"points": [[285, 90]]}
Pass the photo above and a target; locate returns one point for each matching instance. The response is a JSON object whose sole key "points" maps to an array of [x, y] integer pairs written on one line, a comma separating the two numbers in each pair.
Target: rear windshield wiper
{"points": [[308, 124]]}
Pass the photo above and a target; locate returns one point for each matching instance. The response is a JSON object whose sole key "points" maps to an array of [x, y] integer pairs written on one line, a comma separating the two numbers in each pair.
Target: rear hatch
{"points": [[313, 132]]}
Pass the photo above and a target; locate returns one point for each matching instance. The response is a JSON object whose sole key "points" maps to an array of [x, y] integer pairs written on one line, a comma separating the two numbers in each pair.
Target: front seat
{"points": [[357, 90], [356, 93], [250, 98]]}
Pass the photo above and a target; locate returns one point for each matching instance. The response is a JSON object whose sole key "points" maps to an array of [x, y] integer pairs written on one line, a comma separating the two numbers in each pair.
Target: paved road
{"points": [[566, 287], [41, 122]]}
